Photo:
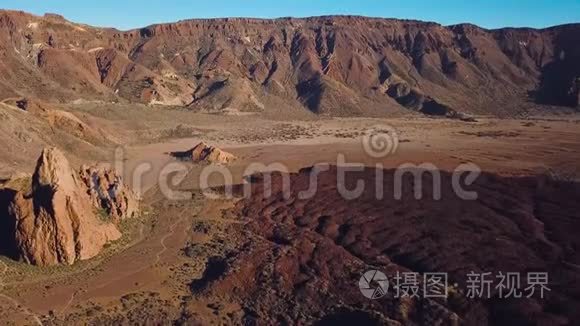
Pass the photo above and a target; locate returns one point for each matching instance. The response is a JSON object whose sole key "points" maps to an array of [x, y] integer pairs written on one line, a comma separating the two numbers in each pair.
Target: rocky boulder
{"points": [[108, 192], [57, 221], [205, 153]]}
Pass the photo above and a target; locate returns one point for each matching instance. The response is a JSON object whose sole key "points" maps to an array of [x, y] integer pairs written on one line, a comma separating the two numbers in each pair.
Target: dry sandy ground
{"points": [[503, 146], [153, 263]]}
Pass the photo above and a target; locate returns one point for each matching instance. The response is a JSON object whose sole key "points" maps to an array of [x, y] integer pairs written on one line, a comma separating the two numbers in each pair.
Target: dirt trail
{"points": [[166, 236], [14, 302], [158, 256], [73, 296]]}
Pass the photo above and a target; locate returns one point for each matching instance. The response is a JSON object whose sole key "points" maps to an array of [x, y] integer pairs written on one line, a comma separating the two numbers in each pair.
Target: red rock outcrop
{"points": [[205, 153], [58, 221], [107, 191]]}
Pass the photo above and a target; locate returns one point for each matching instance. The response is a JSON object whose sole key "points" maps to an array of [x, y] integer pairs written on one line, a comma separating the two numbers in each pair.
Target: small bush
{"points": [[103, 215]]}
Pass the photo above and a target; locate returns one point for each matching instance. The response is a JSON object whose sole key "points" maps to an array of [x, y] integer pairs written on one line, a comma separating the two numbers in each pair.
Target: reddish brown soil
{"points": [[150, 277], [301, 259]]}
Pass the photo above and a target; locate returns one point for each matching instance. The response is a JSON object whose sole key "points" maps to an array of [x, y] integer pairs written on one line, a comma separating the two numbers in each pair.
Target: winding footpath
{"points": [[75, 293], [158, 256], [17, 304], [169, 234]]}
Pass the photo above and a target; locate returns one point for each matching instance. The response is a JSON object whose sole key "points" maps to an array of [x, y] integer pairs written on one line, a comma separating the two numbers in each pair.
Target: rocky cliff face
{"points": [[58, 221], [328, 65]]}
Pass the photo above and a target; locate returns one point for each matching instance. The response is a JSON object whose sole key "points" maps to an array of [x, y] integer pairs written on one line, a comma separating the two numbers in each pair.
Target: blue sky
{"points": [[126, 14]]}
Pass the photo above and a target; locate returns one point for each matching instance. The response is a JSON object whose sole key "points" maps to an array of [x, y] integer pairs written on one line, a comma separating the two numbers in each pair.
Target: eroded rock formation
{"points": [[108, 192], [60, 220], [203, 153]]}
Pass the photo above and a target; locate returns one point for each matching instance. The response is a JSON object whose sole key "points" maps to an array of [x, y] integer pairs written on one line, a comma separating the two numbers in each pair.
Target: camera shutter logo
{"points": [[373, 284]]}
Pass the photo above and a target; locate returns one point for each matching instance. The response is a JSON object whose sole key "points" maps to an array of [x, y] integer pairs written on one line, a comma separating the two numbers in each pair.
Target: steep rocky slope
{"points": [[328, 65], [27, 126]]}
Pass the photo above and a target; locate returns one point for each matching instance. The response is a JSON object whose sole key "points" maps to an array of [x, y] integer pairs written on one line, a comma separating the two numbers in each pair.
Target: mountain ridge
{"points": [[290, 18], [331, 65]]}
